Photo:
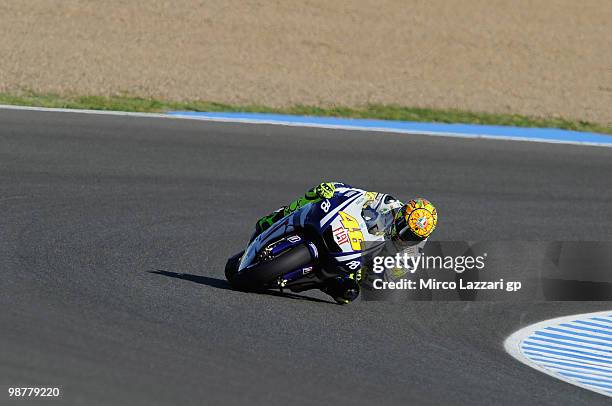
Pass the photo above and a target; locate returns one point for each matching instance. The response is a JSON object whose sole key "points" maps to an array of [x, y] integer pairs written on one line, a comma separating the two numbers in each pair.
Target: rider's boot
{"points": [[342, 289], [267, 221], [322, 191]]}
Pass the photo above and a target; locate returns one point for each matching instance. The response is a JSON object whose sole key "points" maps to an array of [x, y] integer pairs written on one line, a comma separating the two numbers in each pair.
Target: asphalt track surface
{"points": [[92, 204]]}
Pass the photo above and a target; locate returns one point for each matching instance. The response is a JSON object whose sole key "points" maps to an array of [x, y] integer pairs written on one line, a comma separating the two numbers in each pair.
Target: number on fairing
{"points": [[353, 265], [354, 232], [325, 206]]}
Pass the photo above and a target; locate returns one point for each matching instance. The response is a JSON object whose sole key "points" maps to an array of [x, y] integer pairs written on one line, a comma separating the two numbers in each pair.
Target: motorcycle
{"points": [[317, 242]]}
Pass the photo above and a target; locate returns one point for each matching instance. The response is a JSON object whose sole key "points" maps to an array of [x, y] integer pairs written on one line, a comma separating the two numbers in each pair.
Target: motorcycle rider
{"points": [[383, 214]]}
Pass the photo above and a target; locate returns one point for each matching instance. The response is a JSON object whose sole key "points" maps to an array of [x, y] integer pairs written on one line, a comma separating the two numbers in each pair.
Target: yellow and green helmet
{"points": [[415, 220]]}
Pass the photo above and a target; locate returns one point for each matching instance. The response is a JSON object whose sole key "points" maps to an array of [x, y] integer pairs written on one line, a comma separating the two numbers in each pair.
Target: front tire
{"points": [[262, 275], [231, 267]]}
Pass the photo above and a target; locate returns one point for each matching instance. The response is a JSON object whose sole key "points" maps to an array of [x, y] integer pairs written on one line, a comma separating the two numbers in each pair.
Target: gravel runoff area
{"points": [[542, 58]]}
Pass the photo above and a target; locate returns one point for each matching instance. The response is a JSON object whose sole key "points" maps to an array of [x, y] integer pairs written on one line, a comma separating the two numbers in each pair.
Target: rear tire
{"points": [[262, 275], [342, 290]]}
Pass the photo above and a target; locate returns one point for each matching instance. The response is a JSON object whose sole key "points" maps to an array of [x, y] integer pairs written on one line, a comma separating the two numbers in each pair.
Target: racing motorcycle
{"points": [[319, 241]]}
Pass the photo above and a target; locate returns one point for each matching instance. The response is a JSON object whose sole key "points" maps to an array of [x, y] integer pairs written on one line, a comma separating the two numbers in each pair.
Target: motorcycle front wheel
{"points": [[264, 274]]}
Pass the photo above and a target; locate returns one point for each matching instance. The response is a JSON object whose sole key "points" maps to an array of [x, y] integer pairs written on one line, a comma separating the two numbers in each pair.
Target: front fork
{"points": [[284, 244]]}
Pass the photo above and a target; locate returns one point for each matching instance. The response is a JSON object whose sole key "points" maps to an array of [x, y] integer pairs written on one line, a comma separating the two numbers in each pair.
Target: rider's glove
{"points": [[325, 190]]}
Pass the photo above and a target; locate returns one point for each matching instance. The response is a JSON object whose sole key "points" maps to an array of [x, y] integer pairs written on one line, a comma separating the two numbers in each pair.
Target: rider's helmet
{"points": [[415, 220]]}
